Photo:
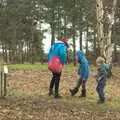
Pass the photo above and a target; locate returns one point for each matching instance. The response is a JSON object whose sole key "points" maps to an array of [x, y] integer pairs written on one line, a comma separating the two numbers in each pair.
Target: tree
{"points": [[19, 22], [105, 40]]}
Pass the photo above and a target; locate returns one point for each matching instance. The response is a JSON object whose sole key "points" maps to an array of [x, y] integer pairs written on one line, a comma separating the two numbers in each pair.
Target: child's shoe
{"points": [[73, 91], [100, 101], [50, 92], [57, 96], [83, 93]]}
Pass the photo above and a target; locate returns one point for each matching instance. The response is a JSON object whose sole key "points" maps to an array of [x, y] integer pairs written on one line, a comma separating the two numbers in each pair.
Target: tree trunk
{"points": [[109, 45], [59, 21], [14, 47], [87, 51], [32, 49], [80, 39], [6, 54], [74, 44], [65, 25], [100, 13], [53, 27], [74, 50], [32, 54], [65, 30], [3, 52], [115, 43], [94, 48], [115, 51], [106, 46], [28, 51]]}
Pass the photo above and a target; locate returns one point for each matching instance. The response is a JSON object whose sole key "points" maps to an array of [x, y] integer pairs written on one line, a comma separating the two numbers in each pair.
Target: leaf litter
{"points": [[28, 99]]}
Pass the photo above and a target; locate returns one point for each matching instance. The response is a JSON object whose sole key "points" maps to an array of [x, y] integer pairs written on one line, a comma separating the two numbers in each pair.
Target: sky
{"points": [[47, 39], [47, 42]]}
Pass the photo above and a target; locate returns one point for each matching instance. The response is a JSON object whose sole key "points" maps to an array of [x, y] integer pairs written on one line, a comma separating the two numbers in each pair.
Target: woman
{"points": [[58, 49]]}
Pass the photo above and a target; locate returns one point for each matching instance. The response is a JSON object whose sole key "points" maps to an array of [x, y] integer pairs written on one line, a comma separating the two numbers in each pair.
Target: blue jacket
{"points": [[83, 69], [59, 50]]}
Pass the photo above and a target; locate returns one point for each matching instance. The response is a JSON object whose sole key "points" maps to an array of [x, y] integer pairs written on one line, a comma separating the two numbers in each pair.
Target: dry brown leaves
{"points": [[27, 98]]}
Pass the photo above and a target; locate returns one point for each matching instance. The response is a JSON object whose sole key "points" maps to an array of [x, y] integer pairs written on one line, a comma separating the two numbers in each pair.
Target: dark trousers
{"points": [[82, 83], [100, 89], [55, 82]]}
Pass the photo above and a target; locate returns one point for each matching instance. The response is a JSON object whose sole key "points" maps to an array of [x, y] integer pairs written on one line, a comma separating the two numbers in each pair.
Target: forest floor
{"points": [[28, 98]]}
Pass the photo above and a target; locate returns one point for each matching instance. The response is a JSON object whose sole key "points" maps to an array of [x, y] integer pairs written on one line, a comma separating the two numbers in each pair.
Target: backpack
{"points": [[55, 65]]}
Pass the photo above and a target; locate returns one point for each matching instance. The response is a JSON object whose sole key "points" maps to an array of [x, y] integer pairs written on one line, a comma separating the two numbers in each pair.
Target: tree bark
{"points": [[95, 46], [73, 37], [87, 51], [100, 13], [74, 50], [59, 20], [115, 43], [52, 27], [115, 51], [109, 45], [80, 38], [106, 46]]}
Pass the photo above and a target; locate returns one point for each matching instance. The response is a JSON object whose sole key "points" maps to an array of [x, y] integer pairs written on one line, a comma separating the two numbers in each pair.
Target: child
{"points": [[83, 71], [101, 78]]}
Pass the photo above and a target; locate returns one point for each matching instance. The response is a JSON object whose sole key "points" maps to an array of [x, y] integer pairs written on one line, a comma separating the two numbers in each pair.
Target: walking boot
{"points": [[57, 96], [73, 91], [100, 101], [50, 92], [83, 93]]}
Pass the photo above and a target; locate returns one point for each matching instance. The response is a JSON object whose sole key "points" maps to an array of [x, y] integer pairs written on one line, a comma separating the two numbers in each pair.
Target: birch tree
{"points": [[106, 46], [109, 45]]}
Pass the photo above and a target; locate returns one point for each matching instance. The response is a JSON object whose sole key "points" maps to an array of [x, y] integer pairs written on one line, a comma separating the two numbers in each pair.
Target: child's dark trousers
{"points": [[100, 89], [55, 82]]}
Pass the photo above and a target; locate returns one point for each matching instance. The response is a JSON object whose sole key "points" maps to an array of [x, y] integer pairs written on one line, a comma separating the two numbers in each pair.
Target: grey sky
{"points": [[47, 39]]}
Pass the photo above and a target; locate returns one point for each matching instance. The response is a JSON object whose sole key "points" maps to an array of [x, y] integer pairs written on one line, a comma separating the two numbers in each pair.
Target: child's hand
{"points": [[75, 75]]}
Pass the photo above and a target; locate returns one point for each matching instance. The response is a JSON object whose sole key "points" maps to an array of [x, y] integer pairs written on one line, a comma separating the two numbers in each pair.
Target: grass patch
{"points": [[28, 66], [17, 93], [38, 66], [87, 104], [90, 103]]}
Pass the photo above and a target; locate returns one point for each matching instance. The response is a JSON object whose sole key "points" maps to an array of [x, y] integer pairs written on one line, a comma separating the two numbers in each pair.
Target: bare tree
{"points": [[106, 46]]}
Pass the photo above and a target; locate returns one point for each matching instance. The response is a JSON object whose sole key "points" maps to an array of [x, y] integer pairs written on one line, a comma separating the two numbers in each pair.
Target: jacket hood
{"points": [[57, 45], [64, 40], [81, 56]]}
